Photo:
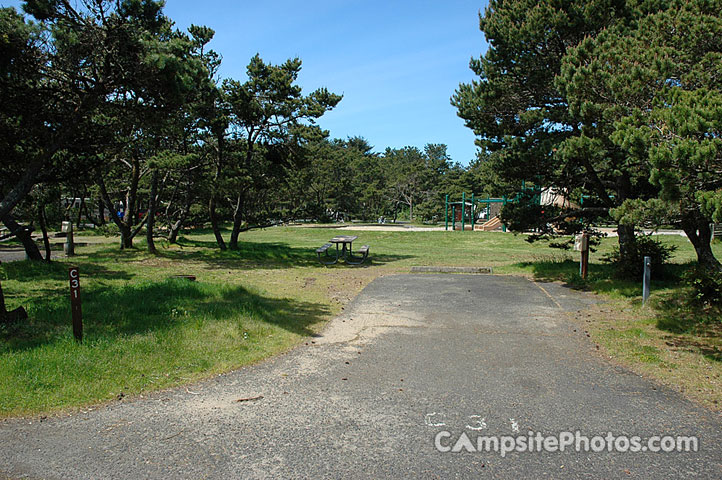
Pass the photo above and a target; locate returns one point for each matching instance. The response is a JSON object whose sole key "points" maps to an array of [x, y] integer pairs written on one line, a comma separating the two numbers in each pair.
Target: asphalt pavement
{"points": [[11, 254], [415, 366]]}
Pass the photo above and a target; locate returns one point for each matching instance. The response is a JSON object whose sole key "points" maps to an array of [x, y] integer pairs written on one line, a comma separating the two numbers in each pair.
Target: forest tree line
{"points": [[112, 116]]}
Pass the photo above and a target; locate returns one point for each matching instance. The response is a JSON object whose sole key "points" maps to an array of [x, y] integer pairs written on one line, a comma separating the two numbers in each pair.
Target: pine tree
{"points": [[525, 121]]}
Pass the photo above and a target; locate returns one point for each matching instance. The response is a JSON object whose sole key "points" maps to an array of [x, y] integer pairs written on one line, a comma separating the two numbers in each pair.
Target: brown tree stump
{"points": [[7, 318]]}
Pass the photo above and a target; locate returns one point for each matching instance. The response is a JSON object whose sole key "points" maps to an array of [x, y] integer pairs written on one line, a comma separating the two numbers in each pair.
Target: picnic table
{"points": [[345, 252]]}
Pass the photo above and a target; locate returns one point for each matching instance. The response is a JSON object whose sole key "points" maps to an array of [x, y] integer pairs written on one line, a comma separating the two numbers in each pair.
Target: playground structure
{"points": [[470, 210]]}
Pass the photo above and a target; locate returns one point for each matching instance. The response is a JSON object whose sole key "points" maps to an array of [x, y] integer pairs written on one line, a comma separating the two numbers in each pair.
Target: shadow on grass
{"points": [[601, 277], [710, 352], [259, 255], [34, 271], [694, 328], [147, 307], [679, 313]]}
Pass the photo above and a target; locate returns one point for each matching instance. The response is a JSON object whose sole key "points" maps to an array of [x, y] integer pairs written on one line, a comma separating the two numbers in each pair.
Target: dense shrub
{"points": [[632, 267], [705, 284]]}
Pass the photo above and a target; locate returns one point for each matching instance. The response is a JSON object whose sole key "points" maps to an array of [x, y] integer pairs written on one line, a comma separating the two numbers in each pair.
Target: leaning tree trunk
{"points": [[101, 212], [237, 222], [44, 228], [176, 227], [214, 223], [697, 229], [23, 234], [178, 224], [126, 235], [175, 230]]}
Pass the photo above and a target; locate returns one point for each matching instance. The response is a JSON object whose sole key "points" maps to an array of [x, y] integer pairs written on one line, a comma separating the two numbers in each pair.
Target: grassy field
{"points": [[145, 330]]}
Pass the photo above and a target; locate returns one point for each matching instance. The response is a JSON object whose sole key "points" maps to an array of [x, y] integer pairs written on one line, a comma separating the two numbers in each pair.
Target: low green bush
{"points": [[705, 285], [632, 266]]}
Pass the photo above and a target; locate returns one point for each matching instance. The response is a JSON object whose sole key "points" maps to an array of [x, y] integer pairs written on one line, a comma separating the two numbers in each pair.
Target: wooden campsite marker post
{"points": [[74, 276]]}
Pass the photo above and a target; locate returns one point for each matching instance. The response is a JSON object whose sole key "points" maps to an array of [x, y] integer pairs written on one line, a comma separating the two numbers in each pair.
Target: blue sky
{"points": [[397, 63]]}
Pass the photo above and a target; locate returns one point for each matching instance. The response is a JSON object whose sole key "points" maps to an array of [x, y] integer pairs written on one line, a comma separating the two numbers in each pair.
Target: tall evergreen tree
{"points": [[524, 122], [654, 91], [269, 108]]}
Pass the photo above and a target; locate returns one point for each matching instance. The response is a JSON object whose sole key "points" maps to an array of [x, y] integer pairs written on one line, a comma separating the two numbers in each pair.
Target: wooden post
{"points": [[74, 277], [583, 247]]}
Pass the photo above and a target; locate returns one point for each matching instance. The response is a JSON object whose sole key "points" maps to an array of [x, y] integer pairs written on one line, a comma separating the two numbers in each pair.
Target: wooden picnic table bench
{"points": [[345, 253]]}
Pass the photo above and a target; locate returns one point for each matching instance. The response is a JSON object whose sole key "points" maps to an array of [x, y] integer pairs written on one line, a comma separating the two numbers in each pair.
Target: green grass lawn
{"points": [[145, 330]]}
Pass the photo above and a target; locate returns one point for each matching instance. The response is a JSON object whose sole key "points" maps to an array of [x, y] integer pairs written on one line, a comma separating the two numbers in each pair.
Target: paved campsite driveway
{"points": [[366, 400]]}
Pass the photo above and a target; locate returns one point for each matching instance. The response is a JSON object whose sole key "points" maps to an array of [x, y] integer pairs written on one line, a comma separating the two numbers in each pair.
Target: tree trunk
{"points": [[80, 212], [176, 227], [627, 238], [150, 214], [23, 234], [13, 315], [626, 242], [21, 188], [44, 228], [212, 201], [214, 223], [101, 212], [126, 236], [131, 196], [237, 222], [697, 229]]}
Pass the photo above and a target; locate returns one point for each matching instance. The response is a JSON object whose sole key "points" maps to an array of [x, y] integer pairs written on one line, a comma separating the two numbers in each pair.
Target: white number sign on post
{"points": [[75, 308]]}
